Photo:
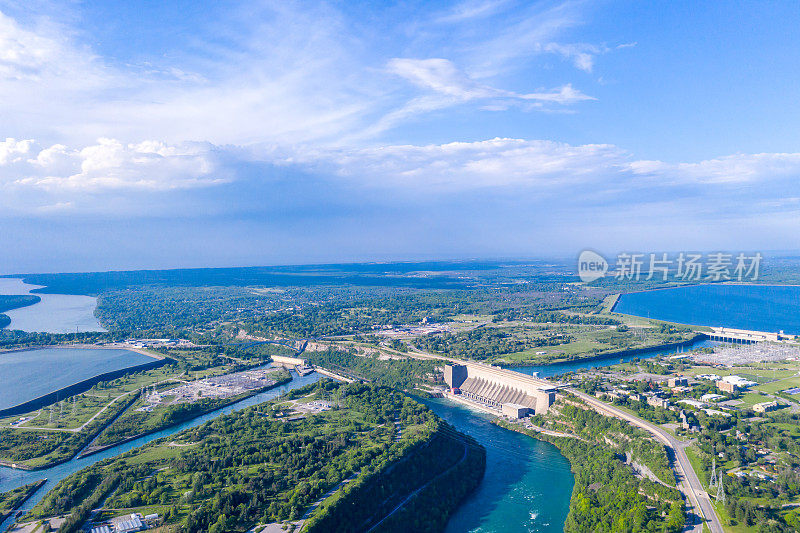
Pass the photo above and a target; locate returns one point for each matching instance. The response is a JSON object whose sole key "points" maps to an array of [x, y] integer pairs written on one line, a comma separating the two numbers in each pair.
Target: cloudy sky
{"points": [[158, 134]]}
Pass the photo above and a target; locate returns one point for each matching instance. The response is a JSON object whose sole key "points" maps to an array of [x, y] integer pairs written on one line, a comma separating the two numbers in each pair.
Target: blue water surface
{"points": [[29, 374], [753, 307]]}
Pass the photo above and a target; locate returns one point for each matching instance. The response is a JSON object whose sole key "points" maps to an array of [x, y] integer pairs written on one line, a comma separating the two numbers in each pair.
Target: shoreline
{"points": [[36, 486]]}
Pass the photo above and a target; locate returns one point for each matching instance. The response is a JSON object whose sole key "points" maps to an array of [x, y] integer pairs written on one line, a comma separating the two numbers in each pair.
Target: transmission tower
{"points": [[720, 490], [713, 481]]}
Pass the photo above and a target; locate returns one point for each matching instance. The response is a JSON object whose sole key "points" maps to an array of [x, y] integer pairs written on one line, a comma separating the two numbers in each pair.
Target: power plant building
{"points": [[513, 396]]}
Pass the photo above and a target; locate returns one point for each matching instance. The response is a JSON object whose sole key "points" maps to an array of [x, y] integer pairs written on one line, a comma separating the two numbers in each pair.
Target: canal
{"points": [[11, 478]]}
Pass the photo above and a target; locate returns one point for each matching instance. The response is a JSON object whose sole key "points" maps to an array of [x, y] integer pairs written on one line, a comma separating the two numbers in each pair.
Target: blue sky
{"points": [[166, 134]]}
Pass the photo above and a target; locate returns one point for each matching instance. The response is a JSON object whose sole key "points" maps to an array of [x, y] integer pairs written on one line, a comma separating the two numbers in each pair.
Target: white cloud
{"points": [[442, 76], [733, 169], [110, 165], [12, 150], [473, 9], [494, 163], [582, 54]]}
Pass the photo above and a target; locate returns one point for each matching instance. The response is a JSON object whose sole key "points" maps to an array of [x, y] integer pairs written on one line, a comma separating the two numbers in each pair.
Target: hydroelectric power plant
{"points": [[511, 393]]}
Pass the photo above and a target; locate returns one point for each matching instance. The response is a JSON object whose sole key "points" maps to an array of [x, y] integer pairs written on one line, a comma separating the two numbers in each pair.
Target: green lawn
{"points": [[752, 398], [780, 385]]}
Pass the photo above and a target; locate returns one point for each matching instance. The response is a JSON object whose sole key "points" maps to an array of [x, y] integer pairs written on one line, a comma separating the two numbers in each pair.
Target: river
{"points": [[56, 313], [527, 485], [557, 369], [11, 478], [526, 488]]}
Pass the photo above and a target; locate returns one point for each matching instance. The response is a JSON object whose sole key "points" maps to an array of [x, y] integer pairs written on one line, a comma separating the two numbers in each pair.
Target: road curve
{"points": [[688, 482]]}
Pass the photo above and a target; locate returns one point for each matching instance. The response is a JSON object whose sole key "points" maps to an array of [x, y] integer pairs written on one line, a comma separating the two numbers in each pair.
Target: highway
{"points": [[688, 482], [697, 499]]}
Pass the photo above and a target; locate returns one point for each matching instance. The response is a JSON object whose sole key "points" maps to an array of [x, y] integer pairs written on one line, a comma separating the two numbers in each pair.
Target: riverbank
{"points": [[14, 499], [583, 363], [13, 478], [69, 449], [612, 354], [609, 492]]}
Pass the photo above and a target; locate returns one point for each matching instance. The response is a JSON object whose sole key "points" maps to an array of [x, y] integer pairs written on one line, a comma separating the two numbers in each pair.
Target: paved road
{"points": [[688, 482]]}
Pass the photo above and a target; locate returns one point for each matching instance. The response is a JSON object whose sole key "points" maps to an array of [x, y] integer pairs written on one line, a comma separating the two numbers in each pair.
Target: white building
{"points": [[739, 381]]}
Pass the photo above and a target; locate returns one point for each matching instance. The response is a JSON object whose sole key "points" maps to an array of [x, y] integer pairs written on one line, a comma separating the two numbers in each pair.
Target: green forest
{"points": [[258, 466], [608, 495]]}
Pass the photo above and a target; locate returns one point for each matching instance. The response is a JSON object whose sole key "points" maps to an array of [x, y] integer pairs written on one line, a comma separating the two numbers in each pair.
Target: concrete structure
{"points": [[455, 375], [711, 397], [513, 410], [694, 403], [685, 424], [677, 382], [726, 386], [765, 407], [495, 387], [745, 336], [739, 381], [128, 523], [655, 401], [288, 361]]}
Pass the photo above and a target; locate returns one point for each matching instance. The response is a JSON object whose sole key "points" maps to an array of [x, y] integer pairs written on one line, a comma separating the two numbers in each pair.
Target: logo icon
{"points": [[591, 266]]}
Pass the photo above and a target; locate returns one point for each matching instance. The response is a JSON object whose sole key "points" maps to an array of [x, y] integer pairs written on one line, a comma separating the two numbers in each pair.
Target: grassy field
{"points": [[75, 411]]}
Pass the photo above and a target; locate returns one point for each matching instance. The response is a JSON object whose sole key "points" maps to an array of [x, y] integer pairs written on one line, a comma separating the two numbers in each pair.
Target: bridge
{"points": [[512, 393]]}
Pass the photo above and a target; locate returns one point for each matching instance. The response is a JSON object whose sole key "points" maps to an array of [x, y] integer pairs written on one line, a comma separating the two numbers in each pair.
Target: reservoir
{"points": [[29, 374], [754, 307], [56, 313]]}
